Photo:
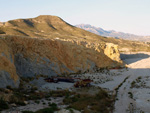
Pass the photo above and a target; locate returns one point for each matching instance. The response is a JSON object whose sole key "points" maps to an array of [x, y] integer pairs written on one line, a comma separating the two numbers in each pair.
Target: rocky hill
{"points": [[57, 48], [53, 27], [42, 26], [112, 33]]}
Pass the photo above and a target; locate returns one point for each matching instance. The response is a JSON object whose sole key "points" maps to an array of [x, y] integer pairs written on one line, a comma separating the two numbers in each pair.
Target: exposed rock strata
{"points": [[8, 75], [28, 57]]}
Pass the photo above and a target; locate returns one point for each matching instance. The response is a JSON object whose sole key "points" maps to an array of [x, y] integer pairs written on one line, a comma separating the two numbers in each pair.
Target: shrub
{"points": [[133, 84], [3, 104], [45, 110], [130, 95], [20, 103], [9, 87], [102, 94], [36, 101], [48, 110], [27, 112], [53, 105], [44, 103], [65, 93]]}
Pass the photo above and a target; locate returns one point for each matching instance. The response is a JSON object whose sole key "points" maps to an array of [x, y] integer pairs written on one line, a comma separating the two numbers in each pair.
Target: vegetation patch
{"points": [[138, 83], [51, 109], [101, 102], [116, 89], [3, 104], [130, 95]]}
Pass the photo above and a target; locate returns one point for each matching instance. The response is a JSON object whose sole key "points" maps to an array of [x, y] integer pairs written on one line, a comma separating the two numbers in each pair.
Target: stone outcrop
{"points": [[111, 50], [28, 57]]}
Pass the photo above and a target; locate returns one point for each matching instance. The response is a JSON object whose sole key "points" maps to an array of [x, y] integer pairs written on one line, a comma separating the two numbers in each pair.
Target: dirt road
{"points": [[131, 95]]}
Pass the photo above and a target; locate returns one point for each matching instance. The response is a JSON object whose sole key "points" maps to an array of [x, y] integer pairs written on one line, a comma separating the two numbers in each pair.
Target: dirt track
{"points": [[138, 67]]}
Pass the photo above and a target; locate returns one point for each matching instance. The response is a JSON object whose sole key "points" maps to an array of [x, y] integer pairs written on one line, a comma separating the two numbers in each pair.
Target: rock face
{"points": [[28, 57], [58, 48], [111, 50], [8, 75]]}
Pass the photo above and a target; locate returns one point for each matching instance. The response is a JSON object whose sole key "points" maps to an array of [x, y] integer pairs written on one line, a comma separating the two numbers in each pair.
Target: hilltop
{"points": [[52, 27], [42, 26]]}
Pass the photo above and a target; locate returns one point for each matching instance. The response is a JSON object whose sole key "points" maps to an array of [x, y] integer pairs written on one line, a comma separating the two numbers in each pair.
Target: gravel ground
{"points": [[129, 99]]}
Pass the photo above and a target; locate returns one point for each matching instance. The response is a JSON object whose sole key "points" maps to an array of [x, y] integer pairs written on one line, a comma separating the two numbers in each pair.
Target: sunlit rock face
{"points": [[111, 50]]}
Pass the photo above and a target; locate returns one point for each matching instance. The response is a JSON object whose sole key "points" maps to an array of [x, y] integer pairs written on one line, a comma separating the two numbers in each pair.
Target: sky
{"points": [[129, 16]]}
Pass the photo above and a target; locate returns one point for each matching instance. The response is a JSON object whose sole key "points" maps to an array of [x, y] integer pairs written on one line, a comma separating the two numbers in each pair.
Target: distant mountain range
{"points": [[112, 33]]}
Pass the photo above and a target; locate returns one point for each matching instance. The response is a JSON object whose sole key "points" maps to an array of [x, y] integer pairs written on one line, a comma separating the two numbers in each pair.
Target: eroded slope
{"points": [[29, 57]]}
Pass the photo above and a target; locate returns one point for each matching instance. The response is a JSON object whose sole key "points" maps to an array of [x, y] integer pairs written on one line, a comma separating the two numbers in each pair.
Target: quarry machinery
{"points": [[83, 83]]}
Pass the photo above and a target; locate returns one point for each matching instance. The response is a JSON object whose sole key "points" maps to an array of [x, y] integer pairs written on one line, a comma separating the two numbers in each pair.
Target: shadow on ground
{"points": [[134, 57]]}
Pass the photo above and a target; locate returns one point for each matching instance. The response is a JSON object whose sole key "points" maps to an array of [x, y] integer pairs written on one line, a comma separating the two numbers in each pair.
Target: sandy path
{"points": [[137, 67]]}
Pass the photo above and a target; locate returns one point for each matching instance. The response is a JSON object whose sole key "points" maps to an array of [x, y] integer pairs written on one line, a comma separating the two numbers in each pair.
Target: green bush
{"points": [[52, 109], [37, 101], [27, 112], [53, 106], [133, 84], [130, 95], [3, 104], [9, 87], [48, 110], [20, 103]]}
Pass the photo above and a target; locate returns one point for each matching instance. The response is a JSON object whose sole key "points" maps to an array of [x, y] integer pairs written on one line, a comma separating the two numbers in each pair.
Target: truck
{"points": [[61, 79], [52, 79], [83, 83]]}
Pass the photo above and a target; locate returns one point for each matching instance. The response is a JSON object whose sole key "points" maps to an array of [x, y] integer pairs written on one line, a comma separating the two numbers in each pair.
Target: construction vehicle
{"points": [[52, 79], [78, 82], [61, 79], [66, 79], [83, 83]]}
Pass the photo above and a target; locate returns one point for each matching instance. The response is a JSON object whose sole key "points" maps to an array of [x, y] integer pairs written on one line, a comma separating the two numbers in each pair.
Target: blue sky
{"points": [[130, 16]]}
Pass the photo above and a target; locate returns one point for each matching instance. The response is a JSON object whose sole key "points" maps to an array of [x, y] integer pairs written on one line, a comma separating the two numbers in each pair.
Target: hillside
{"points": [[112, 33], [56, 48]]}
